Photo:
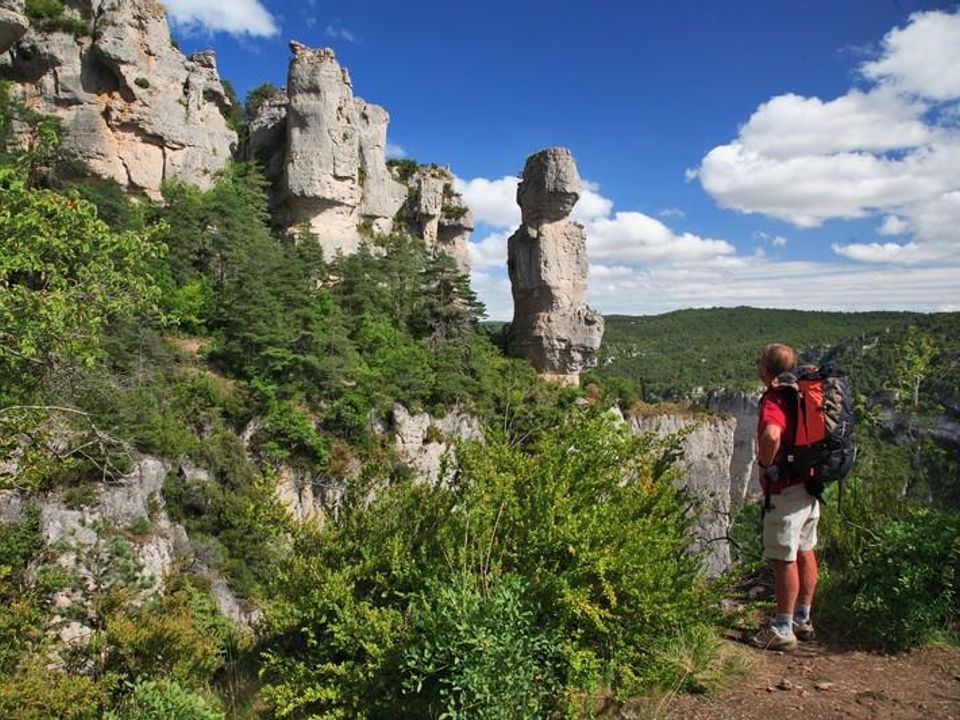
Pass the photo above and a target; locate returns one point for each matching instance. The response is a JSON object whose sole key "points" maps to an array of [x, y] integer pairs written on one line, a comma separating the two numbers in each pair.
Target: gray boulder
{"points": [[550, 186]]}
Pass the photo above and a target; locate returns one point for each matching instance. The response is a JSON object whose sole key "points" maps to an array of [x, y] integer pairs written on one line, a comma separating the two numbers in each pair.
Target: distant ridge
{"points": [[687, 352]]}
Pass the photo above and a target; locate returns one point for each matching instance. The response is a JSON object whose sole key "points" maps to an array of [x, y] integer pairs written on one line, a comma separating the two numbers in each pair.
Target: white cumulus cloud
{"points": [[922, 58], [890, 150], [637, 238], [493, 202], [236, 17]]}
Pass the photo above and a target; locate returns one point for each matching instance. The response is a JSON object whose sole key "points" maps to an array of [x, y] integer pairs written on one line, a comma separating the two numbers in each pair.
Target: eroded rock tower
{"points": [[547, 260]]}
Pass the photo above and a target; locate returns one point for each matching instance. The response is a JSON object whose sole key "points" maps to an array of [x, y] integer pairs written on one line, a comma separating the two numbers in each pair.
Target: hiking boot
{"points": [[804, 631], [769, 638]]}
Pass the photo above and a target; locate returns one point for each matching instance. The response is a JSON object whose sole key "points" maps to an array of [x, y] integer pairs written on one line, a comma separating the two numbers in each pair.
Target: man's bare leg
{"points": [[786, 585], [808, 575]]}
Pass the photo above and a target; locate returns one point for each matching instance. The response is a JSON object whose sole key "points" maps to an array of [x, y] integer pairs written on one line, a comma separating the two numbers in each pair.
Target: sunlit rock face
{"points": [[547, 260], [708, 450], [744, 474], [133, 107], [324, 150]]}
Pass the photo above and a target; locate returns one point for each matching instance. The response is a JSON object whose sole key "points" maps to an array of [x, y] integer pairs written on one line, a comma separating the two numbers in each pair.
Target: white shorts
{"points": [[790, 524]]}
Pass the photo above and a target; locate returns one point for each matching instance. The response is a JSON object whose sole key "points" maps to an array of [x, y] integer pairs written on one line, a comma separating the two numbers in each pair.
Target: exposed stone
{"points": [[322, 184], [133, 107], [13, 23], [135, 497], [547, 259], [295, 493], [382, 195], [744, 473], [11, 507], [550, 187], [324, 150], [707, 453], [425, 443], [240, 610]]}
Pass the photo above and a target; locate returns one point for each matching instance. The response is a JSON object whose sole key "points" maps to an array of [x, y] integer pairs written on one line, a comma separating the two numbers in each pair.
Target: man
{"points": [[791, 513]]}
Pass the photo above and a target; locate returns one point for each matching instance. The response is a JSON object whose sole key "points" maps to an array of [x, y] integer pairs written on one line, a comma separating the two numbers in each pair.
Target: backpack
{"points": [[823, 450]]}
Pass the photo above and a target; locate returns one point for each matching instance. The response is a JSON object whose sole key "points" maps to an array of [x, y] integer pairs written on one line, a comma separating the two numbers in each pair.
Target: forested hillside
{"points": [[686, 353]]}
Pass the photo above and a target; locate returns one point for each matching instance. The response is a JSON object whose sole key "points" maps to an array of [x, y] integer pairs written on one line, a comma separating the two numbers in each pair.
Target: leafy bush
{"points": [[65, 275], [163, 700], [35, 692], [48, 16], [904, 590], [478, 653], [572, 553]]}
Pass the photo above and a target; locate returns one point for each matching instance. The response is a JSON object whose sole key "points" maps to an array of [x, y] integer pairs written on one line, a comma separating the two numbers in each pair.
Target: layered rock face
{"points": [[325, 152], [547, 259], [133, 107], [426, 443], [708, 451]]}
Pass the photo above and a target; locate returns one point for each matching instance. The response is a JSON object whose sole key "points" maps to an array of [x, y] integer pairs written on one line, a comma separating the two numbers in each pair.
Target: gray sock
{"points": [[801, 614], [783, 623]]}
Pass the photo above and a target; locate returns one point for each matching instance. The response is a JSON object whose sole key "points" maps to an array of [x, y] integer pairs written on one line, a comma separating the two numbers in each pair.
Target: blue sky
{"points": [[773, 153]]}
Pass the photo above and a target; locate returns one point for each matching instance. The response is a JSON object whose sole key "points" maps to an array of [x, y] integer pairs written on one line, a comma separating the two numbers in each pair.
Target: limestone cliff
{"points": [[708, 448], [133, 107], [547, 260], [744, 473], [324, 150], [81, 537]]}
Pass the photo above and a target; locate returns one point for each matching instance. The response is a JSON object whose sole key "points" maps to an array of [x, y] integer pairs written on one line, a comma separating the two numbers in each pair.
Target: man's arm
{"points": [[768, 445]]}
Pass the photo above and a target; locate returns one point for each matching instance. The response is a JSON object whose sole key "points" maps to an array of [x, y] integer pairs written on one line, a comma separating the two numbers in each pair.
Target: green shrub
{"points": [[573, 553], [142, 82], [904, 589], [44, 9], [478, 653], [36, 692], [48, 16], [164, 700]]}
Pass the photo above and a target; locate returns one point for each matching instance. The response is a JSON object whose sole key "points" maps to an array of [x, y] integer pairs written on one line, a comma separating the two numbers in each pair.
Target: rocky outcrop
{"points": [[324, 150], [426, 443], [552, 326], [435, 212], [13, 23], [133, 107], [133, 506], [744, 473], [119, 534], [708, 448]]}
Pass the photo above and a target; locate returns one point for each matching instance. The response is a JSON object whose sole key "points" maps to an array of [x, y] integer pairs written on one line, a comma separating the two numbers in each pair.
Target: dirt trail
{"points": [[818, 682]]}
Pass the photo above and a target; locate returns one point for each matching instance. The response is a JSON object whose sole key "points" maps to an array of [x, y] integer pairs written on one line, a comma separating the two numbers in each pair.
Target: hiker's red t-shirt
{"points": [[774, 410]]}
